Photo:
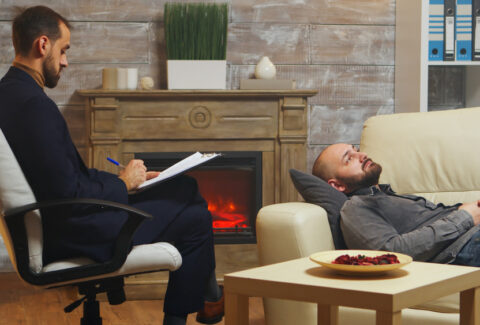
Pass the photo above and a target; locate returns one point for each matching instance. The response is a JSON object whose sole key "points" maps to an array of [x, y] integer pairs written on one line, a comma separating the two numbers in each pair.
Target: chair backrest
{"points": [[15, 192], [431, 154]]}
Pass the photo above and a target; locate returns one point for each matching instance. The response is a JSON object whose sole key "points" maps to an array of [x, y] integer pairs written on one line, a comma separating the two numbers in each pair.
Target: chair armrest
{"points": [[291, 230], [15, 221], [41, 205]]}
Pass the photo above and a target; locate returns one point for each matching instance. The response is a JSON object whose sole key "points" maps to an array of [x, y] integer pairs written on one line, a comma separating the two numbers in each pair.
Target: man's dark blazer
{"points": [[38, 135]]}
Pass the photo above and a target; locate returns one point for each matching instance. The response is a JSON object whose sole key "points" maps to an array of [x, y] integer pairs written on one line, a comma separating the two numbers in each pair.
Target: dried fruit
{"points": [[366, 260]]}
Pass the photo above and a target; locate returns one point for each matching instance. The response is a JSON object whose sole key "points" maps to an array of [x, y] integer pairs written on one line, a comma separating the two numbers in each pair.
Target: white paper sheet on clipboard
{"points": [[180, 167]]}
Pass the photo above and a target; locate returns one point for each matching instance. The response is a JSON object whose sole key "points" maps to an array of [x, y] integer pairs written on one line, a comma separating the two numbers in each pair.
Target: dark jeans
{"points": [[470, 253]]}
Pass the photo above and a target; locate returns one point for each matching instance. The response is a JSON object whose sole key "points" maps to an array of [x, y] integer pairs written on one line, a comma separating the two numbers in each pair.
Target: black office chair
{"points": [[21, 229]]}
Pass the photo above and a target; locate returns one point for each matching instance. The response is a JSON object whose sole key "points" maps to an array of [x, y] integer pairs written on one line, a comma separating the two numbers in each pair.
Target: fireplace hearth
{"points": [[232, 186]]}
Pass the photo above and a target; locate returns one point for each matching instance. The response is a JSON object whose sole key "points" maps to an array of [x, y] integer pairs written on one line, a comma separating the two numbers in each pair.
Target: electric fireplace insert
{"points": [[232, 186]]}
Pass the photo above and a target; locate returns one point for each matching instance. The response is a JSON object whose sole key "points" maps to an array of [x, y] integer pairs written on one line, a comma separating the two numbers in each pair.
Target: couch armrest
{"points": [[291, 230]]}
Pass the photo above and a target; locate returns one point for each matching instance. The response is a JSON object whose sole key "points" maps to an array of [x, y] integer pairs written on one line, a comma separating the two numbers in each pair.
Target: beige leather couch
{"points": [[435, 154]]}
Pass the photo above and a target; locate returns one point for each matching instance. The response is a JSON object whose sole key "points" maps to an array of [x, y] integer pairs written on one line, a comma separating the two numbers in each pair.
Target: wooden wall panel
{"points": [[358, 44], [370, 12], [89, 10], [97, 42], [330, 124], [283, 44], [157, 42], [337, 84], [109, 42], [3, 69], [6, 49], [350, 84], [312, 154], [307, 11], [157, 67]]}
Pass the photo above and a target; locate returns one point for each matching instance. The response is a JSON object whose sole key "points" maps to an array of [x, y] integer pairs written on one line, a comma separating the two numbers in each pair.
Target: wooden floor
{"points": [[23, 304]]}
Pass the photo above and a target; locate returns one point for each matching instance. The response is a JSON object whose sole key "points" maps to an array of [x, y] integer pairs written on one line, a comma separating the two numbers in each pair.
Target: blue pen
{"points": [[113, 161]]}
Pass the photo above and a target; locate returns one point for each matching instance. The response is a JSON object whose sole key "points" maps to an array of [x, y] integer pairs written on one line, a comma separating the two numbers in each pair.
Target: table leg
{"points": [[470, 307], [385, 318], [236, 309], [327, 315]]}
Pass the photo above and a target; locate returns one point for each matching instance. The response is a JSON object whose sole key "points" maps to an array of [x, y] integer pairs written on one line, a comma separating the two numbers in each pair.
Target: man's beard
{"points": [[49, 73], [369, 178]]}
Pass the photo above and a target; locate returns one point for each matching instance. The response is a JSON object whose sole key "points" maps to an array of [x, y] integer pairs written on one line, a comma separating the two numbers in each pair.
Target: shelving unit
{"points": [[411, 60]]}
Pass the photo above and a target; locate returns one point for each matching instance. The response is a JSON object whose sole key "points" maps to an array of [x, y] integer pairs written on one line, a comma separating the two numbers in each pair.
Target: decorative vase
{"points": [[265, 69]]}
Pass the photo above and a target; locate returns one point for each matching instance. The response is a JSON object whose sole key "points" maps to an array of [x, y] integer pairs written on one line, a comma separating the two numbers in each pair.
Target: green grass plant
{"points": [[196, 31]]}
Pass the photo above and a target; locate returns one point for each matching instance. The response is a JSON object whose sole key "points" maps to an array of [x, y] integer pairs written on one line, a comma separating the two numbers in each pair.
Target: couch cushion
{"points": [[142, 258], [431, 154], [15, 192], [317, 191]]}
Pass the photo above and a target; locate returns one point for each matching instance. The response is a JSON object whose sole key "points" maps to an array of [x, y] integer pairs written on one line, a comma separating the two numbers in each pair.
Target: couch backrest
{"points": [[432, 154], [15, 192]]}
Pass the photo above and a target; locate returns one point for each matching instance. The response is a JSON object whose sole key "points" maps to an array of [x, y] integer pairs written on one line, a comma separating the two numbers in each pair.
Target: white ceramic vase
{"points": [[265, 69]]}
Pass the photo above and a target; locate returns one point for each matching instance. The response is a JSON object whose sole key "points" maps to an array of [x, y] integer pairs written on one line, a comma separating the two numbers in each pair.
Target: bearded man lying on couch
{"points": [[375, 217]]}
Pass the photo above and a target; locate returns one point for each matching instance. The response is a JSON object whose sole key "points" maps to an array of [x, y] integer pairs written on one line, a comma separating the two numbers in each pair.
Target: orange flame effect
{"points": [[226, 192], [226, 214]]}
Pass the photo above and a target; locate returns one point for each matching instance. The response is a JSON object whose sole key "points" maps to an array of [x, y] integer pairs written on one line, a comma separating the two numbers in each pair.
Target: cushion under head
{"points": [[317, 191]]}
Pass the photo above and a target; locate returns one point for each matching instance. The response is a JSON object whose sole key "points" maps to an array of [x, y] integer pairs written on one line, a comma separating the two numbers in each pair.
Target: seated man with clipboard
{"points": [[40, 140]]}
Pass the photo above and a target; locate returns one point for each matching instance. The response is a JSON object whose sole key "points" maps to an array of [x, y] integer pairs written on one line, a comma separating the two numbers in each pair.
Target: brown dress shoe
{"points": [[212, 312]]}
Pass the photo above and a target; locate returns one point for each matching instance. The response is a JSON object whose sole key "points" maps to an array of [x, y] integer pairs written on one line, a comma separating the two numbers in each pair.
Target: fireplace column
{"points": [[292, 139], [103, 118]]}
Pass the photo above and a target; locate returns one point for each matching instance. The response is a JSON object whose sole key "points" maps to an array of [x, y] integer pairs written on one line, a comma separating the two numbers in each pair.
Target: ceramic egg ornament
{"points": [[265, 69]]}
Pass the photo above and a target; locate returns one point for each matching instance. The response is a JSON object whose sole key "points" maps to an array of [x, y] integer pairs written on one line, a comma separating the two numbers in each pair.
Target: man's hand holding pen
{"points": [[134, 174]]}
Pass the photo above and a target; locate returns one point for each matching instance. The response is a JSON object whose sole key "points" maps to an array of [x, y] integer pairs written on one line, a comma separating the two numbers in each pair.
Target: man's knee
{"points": [[201, 217]]}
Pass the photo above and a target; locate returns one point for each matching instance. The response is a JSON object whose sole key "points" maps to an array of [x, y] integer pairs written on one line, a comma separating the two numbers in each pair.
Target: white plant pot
{"points": [[196, 74]]}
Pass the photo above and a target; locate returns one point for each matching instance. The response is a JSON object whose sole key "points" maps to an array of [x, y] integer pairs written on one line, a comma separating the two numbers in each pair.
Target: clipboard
{"points": [[179, 168]]}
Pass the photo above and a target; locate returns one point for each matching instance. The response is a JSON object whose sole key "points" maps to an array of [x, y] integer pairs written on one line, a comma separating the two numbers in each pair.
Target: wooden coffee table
{"points": [[388, 294]]}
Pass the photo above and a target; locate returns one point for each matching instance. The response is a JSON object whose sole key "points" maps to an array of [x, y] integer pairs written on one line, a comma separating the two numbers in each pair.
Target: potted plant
{"points": [[196, 44]]}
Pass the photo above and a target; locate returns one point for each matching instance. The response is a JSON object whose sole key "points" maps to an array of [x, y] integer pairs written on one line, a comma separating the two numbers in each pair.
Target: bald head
{"points": [[345, 168], [324, 167]]}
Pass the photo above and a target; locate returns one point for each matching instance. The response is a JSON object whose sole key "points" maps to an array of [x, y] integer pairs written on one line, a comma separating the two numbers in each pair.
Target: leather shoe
{"points": [[212, 312]]}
